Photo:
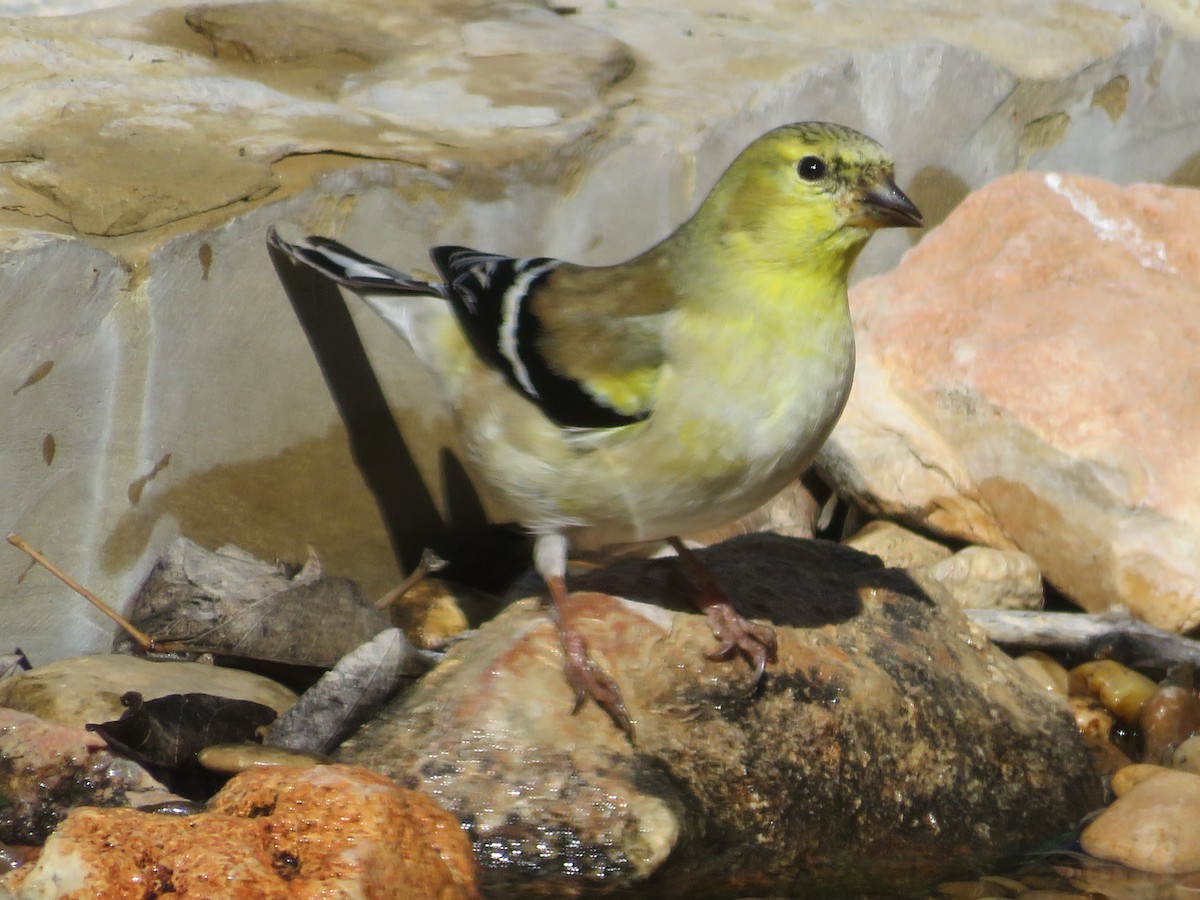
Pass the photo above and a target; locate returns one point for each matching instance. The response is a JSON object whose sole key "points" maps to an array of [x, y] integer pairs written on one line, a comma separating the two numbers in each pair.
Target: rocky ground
{"points": [[1019, 436]]}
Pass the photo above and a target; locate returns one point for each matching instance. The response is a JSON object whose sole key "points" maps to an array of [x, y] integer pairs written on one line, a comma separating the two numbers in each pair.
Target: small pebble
{"points": [[1167, 719], [233, 758], [1127, 777], [1045, 670], [1119, 688]]}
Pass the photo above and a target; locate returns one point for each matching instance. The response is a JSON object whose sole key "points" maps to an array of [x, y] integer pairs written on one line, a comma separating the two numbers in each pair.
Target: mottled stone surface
{"points": [[1033, 361], [326, 831], [47, 769], [890, 745], [158, 380]]}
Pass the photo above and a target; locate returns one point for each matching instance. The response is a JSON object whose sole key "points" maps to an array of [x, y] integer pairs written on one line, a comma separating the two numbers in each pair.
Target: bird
{"points": [[661, 396]]}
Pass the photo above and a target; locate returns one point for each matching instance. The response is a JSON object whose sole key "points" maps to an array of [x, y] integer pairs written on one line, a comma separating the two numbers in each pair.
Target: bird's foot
{"points": [[589, 680], [584, 675], [737, 634]]}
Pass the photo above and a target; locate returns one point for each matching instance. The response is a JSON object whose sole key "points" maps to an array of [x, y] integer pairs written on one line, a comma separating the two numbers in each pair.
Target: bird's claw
{"points": [[587, 679], [738, 635]]}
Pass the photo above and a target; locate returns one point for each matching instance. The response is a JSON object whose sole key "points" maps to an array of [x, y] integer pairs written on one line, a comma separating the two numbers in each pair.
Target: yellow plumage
{"points": [[667, 394]]}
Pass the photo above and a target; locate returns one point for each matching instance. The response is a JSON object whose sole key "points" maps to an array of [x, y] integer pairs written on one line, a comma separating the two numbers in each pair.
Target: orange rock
{"points": [[326, 831]]}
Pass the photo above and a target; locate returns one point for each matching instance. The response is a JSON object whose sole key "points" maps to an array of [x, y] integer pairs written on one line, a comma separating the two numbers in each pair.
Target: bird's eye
{"points": [[811, 168]]}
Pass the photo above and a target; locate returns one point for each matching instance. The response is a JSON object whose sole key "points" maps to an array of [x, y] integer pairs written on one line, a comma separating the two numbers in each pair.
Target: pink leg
{"points": [[584, 676], [737, 634]]}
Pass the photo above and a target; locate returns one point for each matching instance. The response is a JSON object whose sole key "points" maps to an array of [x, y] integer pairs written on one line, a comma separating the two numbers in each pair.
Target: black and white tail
{"points": [[344, 266]]}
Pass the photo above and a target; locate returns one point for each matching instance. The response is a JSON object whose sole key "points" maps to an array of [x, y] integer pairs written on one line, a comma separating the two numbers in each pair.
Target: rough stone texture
{"points": [[46, 769], [898, 547], [1033, 362], [918, 748], [974, 577], [87, 690], [1151, 826], [158, 379], [326, 831], [986, 578]]}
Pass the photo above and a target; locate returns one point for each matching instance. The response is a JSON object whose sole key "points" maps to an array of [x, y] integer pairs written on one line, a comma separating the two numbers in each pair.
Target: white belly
{"points": [[726, 436]]}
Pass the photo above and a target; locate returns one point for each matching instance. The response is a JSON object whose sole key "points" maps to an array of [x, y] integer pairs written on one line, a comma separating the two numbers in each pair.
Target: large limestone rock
{"points": [[1028, 377], [157, 379], [890, 746]]}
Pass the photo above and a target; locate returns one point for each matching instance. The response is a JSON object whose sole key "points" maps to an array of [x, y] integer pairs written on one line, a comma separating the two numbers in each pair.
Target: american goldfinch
{"points": [[668, 394]]}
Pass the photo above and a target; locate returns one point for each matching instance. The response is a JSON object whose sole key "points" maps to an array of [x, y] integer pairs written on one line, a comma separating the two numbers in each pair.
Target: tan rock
{"points": [[1047, 672], [1129, 776], [897, 546], [1187, 756], [280, 833], [1037, 350], [1151, 827], [987, 578], [86, 690]]}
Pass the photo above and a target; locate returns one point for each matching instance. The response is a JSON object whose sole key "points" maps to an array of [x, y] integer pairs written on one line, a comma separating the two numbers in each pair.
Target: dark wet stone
{"points": [[888, 748]]}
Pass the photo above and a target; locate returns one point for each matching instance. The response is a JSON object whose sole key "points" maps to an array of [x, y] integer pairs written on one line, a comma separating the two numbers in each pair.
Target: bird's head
{"points": [[808, 194]]}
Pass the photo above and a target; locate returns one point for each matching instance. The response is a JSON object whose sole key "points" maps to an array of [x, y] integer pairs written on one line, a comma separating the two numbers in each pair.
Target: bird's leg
{"points": [[736, 633], [583, 674]]}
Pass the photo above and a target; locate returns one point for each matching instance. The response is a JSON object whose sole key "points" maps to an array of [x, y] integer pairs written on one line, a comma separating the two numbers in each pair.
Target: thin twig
{"points": [[430, 563], [143, 640]]}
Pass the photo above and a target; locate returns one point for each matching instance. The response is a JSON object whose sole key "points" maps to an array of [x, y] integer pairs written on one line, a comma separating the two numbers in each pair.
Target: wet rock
{"points": [[324, 831], [1046, 671], [87, 689], [46, 769], [1095, 724], [891, 722], [1152, 826], [233, 758], [1169, 717], [1122, 690], [1030, 368]]}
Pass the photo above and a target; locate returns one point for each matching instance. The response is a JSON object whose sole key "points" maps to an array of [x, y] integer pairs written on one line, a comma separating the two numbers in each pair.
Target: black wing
{"points": [[490, 295]]}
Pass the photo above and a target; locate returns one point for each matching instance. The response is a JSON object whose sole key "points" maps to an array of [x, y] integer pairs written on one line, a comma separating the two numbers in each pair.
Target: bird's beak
{"points": [[883, 205]]}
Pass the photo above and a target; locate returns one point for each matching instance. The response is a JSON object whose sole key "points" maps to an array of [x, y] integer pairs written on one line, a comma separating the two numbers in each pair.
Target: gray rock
{"points": [[890, 746]]}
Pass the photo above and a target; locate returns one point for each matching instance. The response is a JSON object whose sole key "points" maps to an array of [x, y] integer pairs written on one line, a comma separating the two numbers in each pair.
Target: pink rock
{"points": [[1029, 377]]}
